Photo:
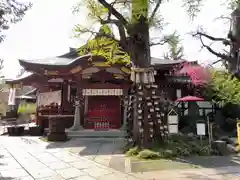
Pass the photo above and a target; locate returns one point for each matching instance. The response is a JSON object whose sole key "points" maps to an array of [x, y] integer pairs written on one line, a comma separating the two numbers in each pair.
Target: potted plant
{"points": [[35, 131], [11, 130], [15, 130], [19, 130]]}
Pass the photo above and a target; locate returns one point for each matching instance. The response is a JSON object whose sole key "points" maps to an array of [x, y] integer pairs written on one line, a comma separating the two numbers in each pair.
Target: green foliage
{"points": [[28, 108], [233, 4], [139, 8], [175, 49], [177, 146], [224, 88], [125, 14], [133, 151], [105, 46], [148, 154]]}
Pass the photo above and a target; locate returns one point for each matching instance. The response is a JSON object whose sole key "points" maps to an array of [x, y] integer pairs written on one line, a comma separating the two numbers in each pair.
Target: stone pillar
{"points": [[124, 115], [56, 129], [77, 118]]}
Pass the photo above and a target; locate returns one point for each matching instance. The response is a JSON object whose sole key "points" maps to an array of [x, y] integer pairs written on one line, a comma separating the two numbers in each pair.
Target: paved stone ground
{"points": [[105, 151], [27, 158], [30, 158]]}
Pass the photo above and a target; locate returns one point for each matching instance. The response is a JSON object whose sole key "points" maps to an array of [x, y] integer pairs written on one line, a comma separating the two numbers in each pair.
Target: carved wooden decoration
{"points": [[102, 92], [76, 69]]}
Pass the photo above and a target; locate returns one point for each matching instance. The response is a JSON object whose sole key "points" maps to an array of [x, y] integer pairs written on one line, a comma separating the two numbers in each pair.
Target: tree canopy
{"points": [[175, 51], [224, 88], [123, 15], [11, 11]]}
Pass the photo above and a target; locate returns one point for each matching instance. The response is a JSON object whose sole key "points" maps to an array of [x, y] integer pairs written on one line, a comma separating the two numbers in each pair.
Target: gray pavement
{"points": [[27, 158]]}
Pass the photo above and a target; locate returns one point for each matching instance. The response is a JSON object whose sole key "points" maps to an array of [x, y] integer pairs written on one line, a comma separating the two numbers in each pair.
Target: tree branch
{"points": [[158, 43], [220, 55], [209, 37], [220, 60], [155, 10], [95, 33], [121, 30], [163, 41], [114, 12]]}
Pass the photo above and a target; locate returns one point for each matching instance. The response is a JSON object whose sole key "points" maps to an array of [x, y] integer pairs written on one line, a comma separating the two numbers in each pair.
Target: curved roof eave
{"points": [[55, 61], [25, 75]]}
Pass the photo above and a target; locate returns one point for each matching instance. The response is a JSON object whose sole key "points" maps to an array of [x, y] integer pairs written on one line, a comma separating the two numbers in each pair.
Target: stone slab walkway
{"points": [[28, 158]]}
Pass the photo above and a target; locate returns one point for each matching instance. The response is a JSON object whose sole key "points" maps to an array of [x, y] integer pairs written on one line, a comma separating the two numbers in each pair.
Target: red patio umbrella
{"points": [[189, 98]]}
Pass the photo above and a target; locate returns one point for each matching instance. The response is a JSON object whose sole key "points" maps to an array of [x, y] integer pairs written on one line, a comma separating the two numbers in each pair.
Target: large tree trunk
{"points": [[144, 112], [139, 44], [233, 66]]}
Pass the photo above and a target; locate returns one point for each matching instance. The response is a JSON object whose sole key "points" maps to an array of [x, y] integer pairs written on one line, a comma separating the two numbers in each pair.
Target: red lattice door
{"points": [[103, 113]]}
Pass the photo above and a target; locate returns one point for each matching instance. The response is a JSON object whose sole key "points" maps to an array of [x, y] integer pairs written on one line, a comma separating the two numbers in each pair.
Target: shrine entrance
{"points": [[103, 113]]}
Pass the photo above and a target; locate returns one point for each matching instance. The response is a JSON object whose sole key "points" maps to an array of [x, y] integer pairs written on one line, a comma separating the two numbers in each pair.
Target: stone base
{"points": [[57, 137], [73, 128], [87, 133]]}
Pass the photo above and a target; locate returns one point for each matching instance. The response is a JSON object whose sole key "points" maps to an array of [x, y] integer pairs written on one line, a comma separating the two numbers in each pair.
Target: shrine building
{"points": [[87, 93]]}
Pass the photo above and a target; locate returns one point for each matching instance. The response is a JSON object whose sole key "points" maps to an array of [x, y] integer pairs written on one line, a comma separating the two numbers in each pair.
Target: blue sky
{"points": [[46, 31]]}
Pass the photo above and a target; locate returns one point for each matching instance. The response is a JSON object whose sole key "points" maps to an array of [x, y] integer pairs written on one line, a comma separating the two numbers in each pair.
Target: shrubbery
{"points": [[177, 146], [29, 108]]}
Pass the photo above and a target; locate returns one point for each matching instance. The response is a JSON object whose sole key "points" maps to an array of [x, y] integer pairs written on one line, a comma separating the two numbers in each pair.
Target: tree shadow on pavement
{"points": [[91, 146], [212, 167], [211, 161]]}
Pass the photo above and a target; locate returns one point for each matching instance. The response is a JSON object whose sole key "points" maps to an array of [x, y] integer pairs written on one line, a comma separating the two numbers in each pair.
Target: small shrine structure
{"points": [[86, 94]]}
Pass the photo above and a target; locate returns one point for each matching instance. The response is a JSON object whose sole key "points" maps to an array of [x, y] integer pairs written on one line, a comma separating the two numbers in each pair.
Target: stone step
{"points": [[96, 134]]}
